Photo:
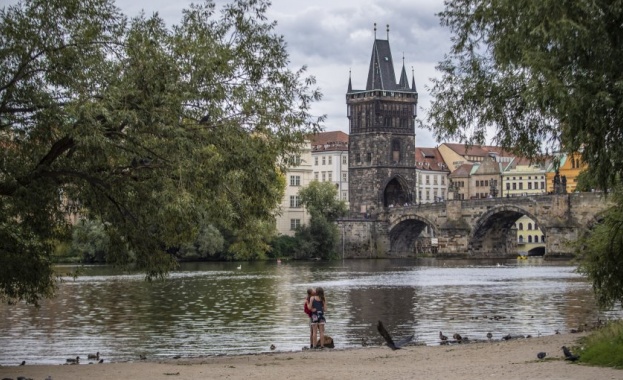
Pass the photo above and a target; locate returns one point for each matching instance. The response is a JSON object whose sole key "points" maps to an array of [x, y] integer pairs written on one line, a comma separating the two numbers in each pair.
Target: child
{"points": [[308, 311]]}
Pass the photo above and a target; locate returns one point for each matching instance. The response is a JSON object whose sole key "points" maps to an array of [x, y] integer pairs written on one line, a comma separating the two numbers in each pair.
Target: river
{"points": [[214, 308]]}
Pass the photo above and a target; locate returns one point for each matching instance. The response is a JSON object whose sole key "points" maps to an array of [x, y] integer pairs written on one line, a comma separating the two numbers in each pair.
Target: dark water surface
{"points": [[213, 308]]}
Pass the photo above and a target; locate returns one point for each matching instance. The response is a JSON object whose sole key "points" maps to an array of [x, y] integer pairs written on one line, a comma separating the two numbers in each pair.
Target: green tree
{"points": [[320, 237], [208, 243], [147, 128], [89, 241], [539, 75], [321, 199]]}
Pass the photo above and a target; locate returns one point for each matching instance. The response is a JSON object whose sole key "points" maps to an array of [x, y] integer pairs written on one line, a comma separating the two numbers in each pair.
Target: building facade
{"points": [[381, 154], [432, 176], [330, 160], [291, 214]]}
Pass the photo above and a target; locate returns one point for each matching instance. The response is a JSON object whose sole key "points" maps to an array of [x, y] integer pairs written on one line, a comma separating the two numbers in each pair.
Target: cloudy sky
{"points": [[333, 37]]}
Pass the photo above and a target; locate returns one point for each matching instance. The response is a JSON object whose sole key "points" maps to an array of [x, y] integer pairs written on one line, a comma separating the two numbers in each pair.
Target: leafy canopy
{"points": [[542, 75], [321, 200], [147, 128]]}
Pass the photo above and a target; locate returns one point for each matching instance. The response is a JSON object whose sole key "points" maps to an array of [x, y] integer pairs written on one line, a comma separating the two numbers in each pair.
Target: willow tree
{"points": [[537, 76], [146, 127]]}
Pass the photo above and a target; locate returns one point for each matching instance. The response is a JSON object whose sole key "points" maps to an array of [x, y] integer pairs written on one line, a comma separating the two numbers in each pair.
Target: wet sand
{"points": [[513, 359]]}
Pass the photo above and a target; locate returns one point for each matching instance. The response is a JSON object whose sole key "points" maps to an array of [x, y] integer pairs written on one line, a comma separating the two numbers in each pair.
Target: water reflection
{"points": [[212, 308]]}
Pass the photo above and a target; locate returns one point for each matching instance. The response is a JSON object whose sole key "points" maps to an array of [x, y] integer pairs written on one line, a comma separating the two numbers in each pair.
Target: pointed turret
{"points": [[350, 83], [413, 80], [404, 81], [381, 74]]}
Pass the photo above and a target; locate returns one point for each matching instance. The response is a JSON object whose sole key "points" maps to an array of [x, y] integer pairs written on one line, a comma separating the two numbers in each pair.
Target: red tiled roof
{"points": [[478, 150], [462, 171], [334, 140], [429, 159]]}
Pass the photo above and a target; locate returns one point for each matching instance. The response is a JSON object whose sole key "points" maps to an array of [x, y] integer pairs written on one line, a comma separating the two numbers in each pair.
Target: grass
{"points": [[604, 347]]}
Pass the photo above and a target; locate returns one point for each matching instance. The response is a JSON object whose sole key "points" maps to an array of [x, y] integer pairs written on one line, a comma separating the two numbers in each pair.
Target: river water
{"points": [[214, 308]]}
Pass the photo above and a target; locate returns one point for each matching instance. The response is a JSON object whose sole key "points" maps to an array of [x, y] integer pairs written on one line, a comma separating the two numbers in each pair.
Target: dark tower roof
{"points": [[381, 74], [404, 81]]}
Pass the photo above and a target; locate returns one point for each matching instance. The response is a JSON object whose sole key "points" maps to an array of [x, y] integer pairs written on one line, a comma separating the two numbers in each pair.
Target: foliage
{"points": [[539, 75], [90, 241], [321, 200], [283, 246], [148, 129], [208, 243], [318, 239], [604, 347], [600, 254], [536, 76]]}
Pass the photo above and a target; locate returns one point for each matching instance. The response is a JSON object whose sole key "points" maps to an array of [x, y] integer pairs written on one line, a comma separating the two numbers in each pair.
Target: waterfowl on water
{"points": [[239, 266], [74, 361], [96, 356], [489, 335], [442, 337]]}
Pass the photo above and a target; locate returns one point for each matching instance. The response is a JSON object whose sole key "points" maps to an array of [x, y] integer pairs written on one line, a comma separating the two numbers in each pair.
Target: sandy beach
{"points": [[513, 359]]}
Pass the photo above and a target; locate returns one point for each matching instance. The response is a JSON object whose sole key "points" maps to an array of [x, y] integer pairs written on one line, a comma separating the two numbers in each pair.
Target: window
{"points": [[520, 185], [295, 224], [443, 180], [542, 185], [521, 226], [521, 240], [344, 195], [487, 183], [536, 185], [357, 158], [330, 176], [330, 160], [296, 160], [529, 238], [324, 160], [295, 180], [344, 160], [369, 157], [508, 186], [316, 176], [529, 185], [514, 186], [536, 238], [535, 227], [542, 238], [344, 177], [295, 201], [428, 195], [324, 176], [316, 161], [427, 180], [529, 226]]}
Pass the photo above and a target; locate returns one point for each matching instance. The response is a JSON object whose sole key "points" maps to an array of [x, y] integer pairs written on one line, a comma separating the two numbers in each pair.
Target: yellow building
{"points": [[569, 167], [530, 238]]}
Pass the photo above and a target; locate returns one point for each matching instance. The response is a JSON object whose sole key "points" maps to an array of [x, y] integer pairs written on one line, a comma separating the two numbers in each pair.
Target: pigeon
{"points": [[568, 355], [489, 335], [388, 339], [541, 355], [442, 337]]}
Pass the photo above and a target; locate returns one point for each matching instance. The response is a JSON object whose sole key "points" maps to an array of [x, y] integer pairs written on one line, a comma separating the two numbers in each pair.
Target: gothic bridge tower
{"points": [[381, 151]]}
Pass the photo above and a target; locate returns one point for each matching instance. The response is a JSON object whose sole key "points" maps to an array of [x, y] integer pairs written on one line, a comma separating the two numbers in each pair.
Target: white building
{"points": [[432, 176], [291, 213], [330, 160]]}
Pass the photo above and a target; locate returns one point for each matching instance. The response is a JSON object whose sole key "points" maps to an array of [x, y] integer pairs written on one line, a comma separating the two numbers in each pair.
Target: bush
{"points": [[283, 246], [604, 347]]}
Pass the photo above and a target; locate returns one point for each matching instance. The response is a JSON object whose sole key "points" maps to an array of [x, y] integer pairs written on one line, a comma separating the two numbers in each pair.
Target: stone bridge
{"points": [[472, 228]]}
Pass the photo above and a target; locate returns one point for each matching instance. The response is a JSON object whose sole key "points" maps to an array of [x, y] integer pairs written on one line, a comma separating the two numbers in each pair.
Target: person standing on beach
{"points": [[312, 337], [318, 305]]}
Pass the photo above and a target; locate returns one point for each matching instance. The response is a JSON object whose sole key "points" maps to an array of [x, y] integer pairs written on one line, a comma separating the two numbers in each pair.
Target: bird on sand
{"points": [[568, 355], [442, 337], [541, 355], [388, 339], [489, 335], [457, 337], [23, 362], [272, 347], [101, 361]]}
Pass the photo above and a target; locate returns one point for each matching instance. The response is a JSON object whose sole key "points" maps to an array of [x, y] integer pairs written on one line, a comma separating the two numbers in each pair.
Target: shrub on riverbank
{"points": [[604, 347]]}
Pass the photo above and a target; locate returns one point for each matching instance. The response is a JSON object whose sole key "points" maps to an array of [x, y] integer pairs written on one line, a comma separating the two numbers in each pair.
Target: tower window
{"points": [[396, 151], [369, 157]]}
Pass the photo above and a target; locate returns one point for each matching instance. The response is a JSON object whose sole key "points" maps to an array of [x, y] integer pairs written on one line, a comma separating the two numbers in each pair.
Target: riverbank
{"points": [[514, 359]]}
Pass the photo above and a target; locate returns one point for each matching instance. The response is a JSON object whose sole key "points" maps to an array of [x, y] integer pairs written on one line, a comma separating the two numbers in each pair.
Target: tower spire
{"points": [[375, 30], [350, 84], [387, 32]]}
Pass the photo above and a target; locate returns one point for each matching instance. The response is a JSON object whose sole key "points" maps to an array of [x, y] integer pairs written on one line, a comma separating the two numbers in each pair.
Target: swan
{"points": [[239, 267]]}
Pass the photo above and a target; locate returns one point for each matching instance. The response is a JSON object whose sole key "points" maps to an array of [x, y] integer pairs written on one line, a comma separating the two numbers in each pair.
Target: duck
{"points": [[457, 337], [96, 356], [272, 347], [489, 335], [101, 361], [73, 361]]}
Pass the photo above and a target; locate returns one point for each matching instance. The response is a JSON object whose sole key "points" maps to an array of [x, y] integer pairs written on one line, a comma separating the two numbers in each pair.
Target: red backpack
{"points": [[307, 311]]}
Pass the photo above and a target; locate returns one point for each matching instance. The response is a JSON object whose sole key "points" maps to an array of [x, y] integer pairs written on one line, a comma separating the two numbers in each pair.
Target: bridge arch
{"points": [[491, 234], [410, 234]]}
